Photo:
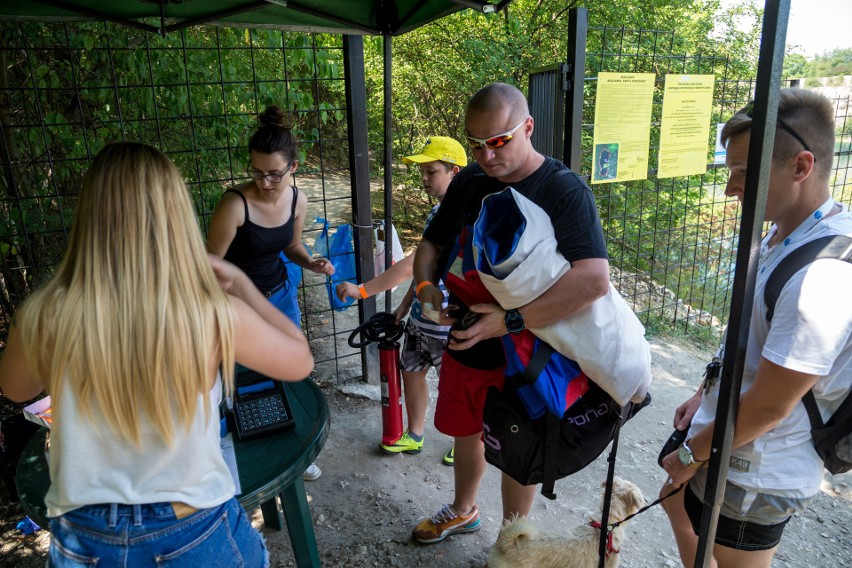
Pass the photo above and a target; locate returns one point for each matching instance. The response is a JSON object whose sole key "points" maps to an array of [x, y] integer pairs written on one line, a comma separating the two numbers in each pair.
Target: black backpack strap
{"points": [[809, 400], [552, 428], [834, 246], [610, 477], [551, 455], [838, 247], [538, 362]]}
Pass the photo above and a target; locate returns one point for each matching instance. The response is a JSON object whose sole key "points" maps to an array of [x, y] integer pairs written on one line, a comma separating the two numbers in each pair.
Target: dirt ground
{"points": [[366, 503]]}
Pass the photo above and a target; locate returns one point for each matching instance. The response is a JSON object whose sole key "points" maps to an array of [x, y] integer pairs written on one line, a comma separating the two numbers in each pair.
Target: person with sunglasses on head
{"points": [[425, 340], [499, 127], [128, 338], [774, 471], [253, 223]]}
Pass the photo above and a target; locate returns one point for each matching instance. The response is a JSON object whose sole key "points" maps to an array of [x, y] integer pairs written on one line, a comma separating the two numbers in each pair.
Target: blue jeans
{"points": [[287, 301], [142, 536]]}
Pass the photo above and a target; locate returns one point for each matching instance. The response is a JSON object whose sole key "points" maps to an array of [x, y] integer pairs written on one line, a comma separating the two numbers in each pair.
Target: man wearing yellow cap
{"points": [[425, 340]]}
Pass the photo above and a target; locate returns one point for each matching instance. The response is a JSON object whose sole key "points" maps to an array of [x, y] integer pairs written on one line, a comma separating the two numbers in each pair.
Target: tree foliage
{"points": [[835, 63], [73, 87], [438, 67]]}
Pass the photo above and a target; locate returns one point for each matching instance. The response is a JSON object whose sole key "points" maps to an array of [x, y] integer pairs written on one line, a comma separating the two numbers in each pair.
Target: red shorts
{"points": [[461, 397]]}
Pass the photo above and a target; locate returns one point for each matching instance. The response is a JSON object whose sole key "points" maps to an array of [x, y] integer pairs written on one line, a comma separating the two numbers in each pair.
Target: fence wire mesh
{"points": [[672, 242], [66, 89]]}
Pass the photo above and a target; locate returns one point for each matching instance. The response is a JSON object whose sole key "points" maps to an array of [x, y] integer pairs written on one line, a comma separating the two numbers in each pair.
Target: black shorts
{"points": [[738, 534]]}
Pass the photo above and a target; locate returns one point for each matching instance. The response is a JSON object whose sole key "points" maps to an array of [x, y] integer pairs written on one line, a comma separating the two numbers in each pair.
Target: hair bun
{"points": [[274, 116]]}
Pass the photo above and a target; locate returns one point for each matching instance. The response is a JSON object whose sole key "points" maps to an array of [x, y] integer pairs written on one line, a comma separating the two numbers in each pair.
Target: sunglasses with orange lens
{"points": [[494, 142]]}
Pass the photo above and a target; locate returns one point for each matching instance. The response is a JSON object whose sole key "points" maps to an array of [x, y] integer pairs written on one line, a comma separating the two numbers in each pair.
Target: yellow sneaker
{"points": [[450, 457], [444, 523], [405, 444]]}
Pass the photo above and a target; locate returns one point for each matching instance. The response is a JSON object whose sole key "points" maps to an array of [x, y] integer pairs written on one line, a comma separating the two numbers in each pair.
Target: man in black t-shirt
{"points": [[498, 127]]}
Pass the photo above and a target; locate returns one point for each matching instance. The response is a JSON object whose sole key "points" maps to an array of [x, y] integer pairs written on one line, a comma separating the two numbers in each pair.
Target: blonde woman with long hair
{"points": [[127, 337]]}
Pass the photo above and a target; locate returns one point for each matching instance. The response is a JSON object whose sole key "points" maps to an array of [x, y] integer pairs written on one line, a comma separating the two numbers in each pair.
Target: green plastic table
{"points": [[270, 470]]}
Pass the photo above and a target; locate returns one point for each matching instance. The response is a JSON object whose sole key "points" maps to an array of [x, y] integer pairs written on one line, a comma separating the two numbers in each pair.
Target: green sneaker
{"points": [[405, 444], [450, 457]]}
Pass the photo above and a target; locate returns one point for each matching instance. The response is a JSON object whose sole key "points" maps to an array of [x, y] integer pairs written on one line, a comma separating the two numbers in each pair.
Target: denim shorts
{"points": [[142, 536], [286, 299]]}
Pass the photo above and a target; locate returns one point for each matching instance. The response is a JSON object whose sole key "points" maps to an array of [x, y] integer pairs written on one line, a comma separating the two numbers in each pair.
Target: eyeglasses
{"points": [[495, 141], [258, 175], [748, 110]]}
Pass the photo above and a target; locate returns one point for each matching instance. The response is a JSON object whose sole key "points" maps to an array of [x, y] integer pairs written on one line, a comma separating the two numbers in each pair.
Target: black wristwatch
{"points": [[514, 322]]}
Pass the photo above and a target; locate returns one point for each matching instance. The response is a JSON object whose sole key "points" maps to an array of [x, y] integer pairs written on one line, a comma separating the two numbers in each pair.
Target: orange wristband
{"points": [[364, 293], [422, 285]]}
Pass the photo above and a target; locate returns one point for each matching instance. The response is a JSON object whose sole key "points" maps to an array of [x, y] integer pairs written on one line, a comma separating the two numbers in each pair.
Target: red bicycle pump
{"points": [[383, 329], [391, 392]]}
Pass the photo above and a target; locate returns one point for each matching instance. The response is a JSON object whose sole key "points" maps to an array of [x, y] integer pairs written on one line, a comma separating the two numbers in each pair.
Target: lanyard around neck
{"points": [[767, 254]]}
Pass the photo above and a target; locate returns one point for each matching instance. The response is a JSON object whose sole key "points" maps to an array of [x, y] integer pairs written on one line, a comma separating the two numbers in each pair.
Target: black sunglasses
{"points": [[748, 110]]}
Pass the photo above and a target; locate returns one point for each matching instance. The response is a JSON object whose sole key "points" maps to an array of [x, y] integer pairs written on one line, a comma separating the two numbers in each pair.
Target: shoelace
{"points": [[446, 514]]}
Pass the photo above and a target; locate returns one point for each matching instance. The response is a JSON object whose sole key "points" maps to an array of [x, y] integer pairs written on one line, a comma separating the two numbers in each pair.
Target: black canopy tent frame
{"points": [[256, 13], [365, 17], [371, 17]]}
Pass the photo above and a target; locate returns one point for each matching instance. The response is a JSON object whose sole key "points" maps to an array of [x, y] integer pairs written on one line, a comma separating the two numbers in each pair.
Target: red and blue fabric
{"points": [[460, 276], [559, 385]]}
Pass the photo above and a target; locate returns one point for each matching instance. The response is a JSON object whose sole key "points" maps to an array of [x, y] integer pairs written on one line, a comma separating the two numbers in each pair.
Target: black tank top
{"points": [[256, 249]]}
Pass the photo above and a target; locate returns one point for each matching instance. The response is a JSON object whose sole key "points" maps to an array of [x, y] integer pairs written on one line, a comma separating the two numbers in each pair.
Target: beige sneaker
{"points": [[444, 523]]}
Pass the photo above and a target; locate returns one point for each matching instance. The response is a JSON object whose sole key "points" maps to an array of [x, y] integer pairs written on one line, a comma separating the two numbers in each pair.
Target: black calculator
{"points": [[260, 406]]}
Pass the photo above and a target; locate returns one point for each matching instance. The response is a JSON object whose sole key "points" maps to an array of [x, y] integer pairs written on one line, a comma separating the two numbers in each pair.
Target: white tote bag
{"points": [[515, 252]]}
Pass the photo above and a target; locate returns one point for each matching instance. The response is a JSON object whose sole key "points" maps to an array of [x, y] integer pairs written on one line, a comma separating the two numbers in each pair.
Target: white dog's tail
{"points": [[517, 529]]}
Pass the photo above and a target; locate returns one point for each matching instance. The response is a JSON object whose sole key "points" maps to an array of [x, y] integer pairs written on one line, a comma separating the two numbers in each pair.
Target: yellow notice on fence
{"points": [[622, 126], [685, 128]]}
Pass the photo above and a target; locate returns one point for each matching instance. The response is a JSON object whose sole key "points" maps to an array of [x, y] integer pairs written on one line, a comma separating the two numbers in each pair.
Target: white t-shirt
{"points": [[91, 465], [811, 333]]}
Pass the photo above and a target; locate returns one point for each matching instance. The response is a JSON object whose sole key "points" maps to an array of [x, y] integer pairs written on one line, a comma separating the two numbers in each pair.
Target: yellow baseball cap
{"points": [[439, 148]]}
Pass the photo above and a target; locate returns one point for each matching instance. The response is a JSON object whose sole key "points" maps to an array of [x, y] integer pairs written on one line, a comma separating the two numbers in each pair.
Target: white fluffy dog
{"points": [[521, 544]]}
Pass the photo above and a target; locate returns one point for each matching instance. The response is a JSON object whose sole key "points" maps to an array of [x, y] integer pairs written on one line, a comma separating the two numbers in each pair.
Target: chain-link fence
{"points": [[66, 89], [672, 242]]}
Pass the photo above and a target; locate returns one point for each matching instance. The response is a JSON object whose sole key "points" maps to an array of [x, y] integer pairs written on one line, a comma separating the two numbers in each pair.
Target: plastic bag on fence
{"points": [[338, 248], [294, 271], [380, 239]]}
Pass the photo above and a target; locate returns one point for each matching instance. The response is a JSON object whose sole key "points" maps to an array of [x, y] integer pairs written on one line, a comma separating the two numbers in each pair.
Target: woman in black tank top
{"points": [[256, 221]]}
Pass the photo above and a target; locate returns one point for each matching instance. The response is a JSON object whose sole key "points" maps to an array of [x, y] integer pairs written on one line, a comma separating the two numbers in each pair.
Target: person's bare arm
{"points": [[274, 347], [426, 271], [393, 276], [17, 378], [295, 251], [773, 395], [228, 214], [587, 281], [264, 338], [402, 309], [685, 412]]}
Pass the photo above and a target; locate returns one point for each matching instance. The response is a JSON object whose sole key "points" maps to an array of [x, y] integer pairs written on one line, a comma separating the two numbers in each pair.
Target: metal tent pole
{"points": [[772, 45]]}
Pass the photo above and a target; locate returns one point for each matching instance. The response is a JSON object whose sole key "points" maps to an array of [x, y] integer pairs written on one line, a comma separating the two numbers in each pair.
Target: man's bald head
{"points": [[494, 98]]}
